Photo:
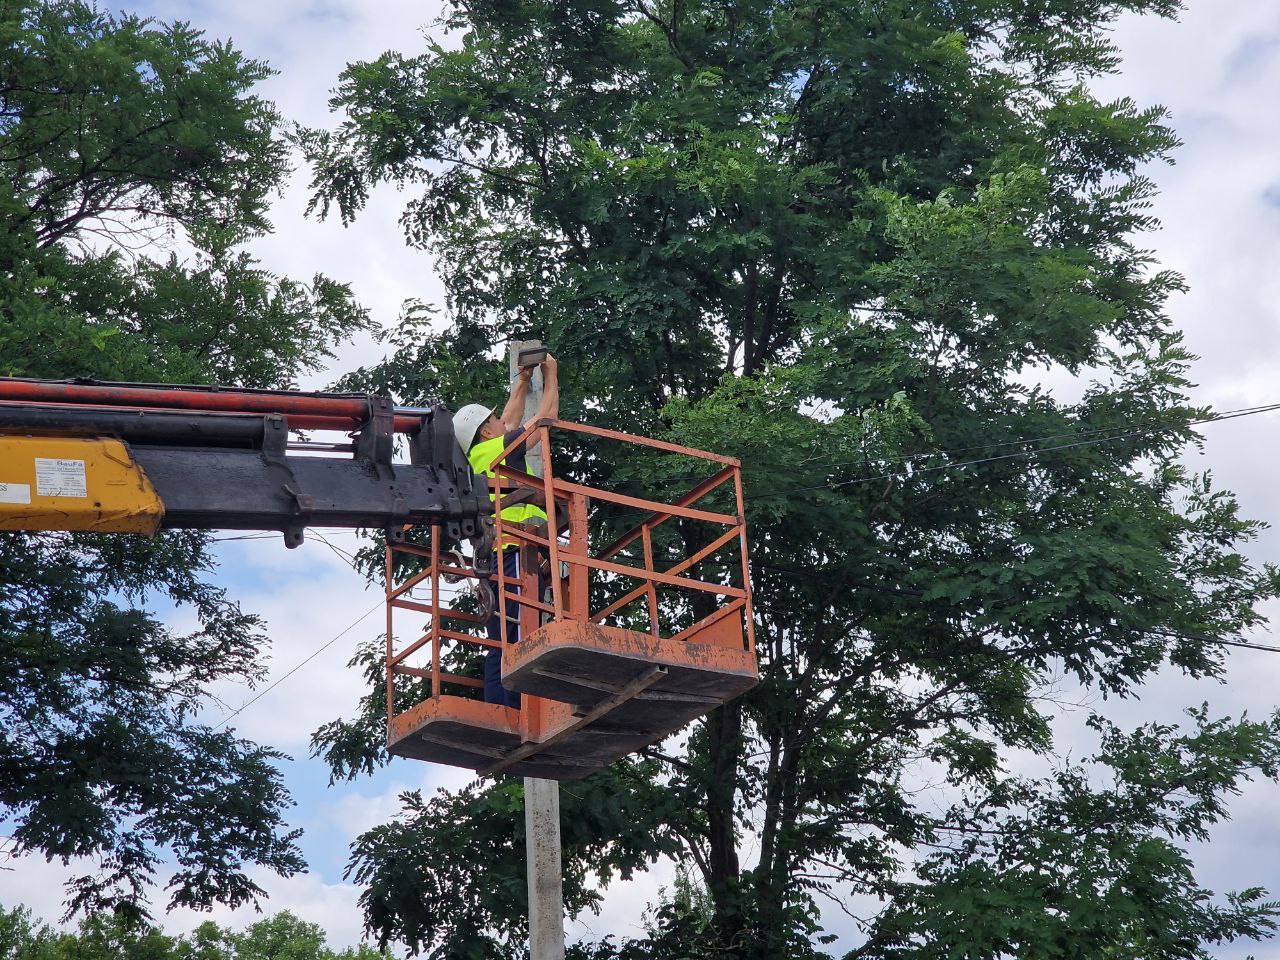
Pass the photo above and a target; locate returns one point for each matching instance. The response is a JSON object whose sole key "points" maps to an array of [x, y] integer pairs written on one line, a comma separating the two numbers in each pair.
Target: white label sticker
{"points": [[60, 478], [15, 493]]}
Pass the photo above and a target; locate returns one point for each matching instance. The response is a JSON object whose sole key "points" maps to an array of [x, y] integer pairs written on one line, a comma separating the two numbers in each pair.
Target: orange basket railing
{"points": [[572, 564]]}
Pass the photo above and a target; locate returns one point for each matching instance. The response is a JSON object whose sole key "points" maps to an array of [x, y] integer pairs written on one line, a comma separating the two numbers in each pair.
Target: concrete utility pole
{"points": [[542, 848], [541, 797]]}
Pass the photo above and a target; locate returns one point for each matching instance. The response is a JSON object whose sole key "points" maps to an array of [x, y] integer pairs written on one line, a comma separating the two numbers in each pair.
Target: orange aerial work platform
{"points": [[596, 682]]}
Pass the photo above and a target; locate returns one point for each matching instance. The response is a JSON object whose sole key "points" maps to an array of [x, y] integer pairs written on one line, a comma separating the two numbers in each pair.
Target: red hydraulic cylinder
{"points": [[314, 411]]}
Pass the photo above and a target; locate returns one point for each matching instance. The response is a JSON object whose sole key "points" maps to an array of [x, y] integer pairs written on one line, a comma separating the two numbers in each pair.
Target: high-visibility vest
{"points": [[482, 458]]}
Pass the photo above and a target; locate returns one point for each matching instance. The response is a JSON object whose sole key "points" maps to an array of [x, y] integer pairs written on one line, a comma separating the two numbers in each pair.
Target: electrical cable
{"points": [[1024, 454], [345, 556], [350, 561], [1236, 642], [1245, 644], [1129, 431], [299, 665], [1167, 424], [919, 595], [271, 535]]}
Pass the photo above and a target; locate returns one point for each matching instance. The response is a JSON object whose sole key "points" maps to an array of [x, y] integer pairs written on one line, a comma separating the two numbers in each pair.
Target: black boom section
{"points": [[136, 426], [247, 490]]}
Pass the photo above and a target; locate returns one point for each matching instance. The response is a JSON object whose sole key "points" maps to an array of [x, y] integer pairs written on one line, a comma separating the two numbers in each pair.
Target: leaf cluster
{"points": [[119, 137]]}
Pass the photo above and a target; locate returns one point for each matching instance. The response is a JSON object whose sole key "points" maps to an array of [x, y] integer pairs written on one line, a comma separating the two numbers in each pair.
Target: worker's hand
{"points": [[549, 365], [525, 374]]}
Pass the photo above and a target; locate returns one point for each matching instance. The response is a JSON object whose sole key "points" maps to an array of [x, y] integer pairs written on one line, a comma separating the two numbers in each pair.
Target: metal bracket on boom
{"points": [[435, 446], [376, 439]]}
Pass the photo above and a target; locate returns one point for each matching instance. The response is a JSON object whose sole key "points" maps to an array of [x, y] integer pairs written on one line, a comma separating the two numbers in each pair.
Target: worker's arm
{"points": [[513, 412], [549, 408]]}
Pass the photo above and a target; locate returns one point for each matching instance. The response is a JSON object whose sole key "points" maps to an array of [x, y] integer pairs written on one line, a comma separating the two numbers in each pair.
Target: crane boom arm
{"points": [[78, 455]]}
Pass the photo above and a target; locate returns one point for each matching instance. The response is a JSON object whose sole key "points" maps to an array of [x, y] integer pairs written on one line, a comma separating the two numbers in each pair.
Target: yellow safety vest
{"points": [[482, 458]]}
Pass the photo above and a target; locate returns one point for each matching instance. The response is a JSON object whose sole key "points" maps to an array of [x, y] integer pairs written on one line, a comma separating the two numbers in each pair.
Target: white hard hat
{"points": [[467, 421]]}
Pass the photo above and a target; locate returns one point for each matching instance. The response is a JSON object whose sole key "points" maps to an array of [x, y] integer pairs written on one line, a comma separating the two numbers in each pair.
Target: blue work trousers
{"points": [[494, 691]]}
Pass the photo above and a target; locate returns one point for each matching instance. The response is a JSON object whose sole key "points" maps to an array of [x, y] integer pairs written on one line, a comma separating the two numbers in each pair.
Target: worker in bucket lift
{"points": [[484, 436]]}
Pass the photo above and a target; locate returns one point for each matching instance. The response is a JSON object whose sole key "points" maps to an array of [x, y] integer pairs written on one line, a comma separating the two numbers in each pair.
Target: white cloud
{"points": [[1219, 230], [334, 906], [309, 43], [35, 883], [622, 911], [351, 812]]}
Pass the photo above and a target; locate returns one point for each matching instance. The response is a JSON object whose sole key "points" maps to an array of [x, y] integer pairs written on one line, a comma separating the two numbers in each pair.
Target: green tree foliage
{"points": [[110, 937], [121, 137], [135, 160], [843, 241]]}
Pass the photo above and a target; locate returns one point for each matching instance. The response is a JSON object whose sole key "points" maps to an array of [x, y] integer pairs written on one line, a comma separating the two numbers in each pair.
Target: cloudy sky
{"points": [[1217, 70]]}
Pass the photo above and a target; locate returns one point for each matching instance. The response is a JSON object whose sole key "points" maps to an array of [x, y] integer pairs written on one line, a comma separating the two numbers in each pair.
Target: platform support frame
{"points": [[415, 562]]}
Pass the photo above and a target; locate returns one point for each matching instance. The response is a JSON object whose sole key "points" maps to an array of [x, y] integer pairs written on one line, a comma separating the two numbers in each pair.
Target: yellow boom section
{"points": [[65, 483]]}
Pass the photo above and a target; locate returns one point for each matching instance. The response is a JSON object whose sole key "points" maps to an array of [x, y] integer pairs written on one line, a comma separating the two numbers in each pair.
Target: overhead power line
{"points": [[1106, 434], [299, 665], [1154, 422], [1128, 433], [810, 575], [1233, 642], [1242, 643]]}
